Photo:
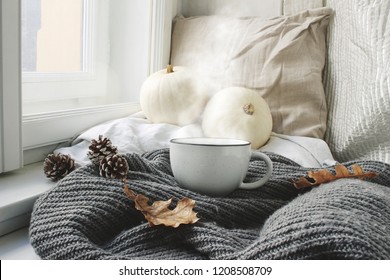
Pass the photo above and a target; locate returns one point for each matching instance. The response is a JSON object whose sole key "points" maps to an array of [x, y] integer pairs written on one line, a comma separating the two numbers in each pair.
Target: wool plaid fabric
{"points": [[86, 216]]}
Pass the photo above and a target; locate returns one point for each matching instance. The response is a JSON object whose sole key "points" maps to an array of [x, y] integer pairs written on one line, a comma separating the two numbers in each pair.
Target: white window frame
{"points": [[10, 92]]}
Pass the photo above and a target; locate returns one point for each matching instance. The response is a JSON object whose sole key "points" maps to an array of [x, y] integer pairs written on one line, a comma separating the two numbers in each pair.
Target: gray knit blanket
{"points": [[86, 216]]}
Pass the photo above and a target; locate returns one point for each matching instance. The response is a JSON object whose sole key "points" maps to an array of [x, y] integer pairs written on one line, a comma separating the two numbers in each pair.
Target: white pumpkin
{"points": [[174, 96], [240, 113]]}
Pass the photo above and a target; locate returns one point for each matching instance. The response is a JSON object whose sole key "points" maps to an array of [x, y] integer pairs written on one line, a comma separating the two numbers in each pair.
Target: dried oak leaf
{"points": [[159, 213], [318, 177]]}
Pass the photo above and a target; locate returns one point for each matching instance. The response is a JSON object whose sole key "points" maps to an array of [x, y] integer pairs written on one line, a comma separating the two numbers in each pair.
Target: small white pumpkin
{"points": [[240, 113], [174, 96]]}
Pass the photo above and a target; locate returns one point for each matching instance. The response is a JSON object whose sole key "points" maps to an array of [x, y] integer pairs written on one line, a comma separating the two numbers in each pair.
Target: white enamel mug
{"points": [[214, 166]]}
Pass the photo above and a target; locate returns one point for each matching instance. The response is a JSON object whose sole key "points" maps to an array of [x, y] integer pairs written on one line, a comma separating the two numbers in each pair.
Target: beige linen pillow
{"points": [[282, 58]]}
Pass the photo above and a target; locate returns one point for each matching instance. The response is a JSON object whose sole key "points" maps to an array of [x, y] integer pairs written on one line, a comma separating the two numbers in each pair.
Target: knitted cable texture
{"points": [[89, 217]]}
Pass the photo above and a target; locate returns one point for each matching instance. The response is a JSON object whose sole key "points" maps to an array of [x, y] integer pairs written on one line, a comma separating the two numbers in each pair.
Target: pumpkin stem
{"points": [[170, 68], [249, 109]]}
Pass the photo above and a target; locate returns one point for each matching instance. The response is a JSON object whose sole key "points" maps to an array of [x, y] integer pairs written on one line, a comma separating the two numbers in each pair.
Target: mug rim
{"points": [[210, 141]]}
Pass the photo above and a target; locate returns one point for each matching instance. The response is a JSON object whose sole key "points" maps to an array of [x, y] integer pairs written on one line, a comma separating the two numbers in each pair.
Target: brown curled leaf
{"points": [[315, 178], [159, 213]]}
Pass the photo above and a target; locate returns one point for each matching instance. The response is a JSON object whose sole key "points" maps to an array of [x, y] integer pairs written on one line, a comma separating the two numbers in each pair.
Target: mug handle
{"points": [[262, 181]]}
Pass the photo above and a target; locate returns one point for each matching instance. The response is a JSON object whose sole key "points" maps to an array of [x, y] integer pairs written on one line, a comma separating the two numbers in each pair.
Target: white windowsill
{"points": [[16, 246], [18, 191]]}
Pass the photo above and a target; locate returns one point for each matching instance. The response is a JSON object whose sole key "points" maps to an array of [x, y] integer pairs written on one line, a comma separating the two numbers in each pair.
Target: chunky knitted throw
{"points": [[89, 217]]}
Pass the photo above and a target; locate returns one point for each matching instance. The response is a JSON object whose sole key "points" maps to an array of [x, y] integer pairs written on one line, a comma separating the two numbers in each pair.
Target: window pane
{"points": [[83, 53], [52, 35]]}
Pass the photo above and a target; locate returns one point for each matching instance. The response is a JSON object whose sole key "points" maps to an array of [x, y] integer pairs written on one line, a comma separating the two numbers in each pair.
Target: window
{"points": [[82, 63], [65, 54]]}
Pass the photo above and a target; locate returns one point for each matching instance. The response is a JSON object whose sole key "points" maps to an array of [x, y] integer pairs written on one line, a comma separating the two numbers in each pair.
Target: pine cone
{"points": [[101, 148], [114, 167], [58, 166]]}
